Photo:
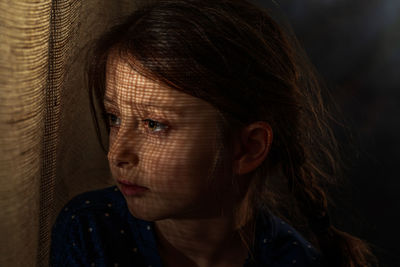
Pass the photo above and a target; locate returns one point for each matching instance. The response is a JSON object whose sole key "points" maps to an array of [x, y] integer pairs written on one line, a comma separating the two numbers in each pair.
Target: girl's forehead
{"points": [[122, 81], [124, 86]]}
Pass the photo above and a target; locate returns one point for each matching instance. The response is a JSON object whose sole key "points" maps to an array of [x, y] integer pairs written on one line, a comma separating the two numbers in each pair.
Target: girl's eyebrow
{"points": [[173, 109]]}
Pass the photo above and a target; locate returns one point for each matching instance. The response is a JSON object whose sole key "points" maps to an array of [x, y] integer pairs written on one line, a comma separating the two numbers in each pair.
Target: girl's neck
{"points": [[207, 241], [211, 242]]}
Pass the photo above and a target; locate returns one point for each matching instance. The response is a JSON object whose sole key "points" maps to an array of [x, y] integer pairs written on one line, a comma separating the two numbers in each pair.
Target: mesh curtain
{"points": [[48, 148]]}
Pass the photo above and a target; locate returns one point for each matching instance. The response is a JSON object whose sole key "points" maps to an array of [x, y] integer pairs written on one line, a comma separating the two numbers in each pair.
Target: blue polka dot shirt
{"points": [[96, 229]]}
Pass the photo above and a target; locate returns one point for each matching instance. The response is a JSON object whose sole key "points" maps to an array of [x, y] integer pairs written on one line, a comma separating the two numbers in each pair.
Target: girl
{"points": [[218, 142]]}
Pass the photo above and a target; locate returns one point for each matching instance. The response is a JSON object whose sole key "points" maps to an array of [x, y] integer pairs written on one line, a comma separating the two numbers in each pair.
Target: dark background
{"points": [[355, 45]]}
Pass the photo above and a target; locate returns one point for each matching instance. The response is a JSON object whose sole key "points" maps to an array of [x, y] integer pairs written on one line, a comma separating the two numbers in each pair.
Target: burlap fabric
{"points": [[48, 149]]}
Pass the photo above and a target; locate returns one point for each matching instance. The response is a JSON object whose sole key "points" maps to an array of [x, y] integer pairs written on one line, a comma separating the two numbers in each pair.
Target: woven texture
{"points": [[48, 148]]}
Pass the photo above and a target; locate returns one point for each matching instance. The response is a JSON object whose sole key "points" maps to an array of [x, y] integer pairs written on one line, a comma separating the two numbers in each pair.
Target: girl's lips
{"points": [[130, 189], [125, 182]]}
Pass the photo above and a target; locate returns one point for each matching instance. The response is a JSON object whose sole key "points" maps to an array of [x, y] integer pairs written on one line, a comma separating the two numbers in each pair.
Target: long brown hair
{"points": [[233, 55]]}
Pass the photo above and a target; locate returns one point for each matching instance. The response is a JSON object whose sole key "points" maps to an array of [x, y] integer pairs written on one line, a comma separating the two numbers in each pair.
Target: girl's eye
{"points": [[113, 120], [155, 126], [151, 125]]}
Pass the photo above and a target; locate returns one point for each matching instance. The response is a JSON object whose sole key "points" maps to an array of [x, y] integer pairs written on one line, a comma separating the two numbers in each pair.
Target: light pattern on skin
{"points": [[169, 142], [172, 159], [167, 147], [172, 162]]}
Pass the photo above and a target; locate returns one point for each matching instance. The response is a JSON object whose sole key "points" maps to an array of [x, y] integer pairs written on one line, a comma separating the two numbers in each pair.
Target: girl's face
{"points": [[166, 141]]}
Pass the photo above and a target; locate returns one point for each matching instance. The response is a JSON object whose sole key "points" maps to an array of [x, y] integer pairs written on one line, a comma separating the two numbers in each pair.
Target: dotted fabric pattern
{"points": [[96, 229]]}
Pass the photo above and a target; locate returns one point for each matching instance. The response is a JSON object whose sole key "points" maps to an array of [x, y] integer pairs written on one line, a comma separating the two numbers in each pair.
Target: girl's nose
{"points": [[121, 153]]}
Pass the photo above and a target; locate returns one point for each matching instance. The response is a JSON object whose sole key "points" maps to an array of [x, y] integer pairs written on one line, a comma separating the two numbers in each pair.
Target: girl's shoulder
{"points": [[98, 206], [93, 229], [279, 244], [93, 202]]}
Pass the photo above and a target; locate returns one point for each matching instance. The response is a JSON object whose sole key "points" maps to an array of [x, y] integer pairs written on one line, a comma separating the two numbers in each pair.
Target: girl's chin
{"points": [[143, 213]]}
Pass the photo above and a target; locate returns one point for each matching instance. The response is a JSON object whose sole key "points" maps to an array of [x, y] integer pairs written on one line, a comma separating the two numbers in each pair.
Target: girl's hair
{"points": [[234, 56]]}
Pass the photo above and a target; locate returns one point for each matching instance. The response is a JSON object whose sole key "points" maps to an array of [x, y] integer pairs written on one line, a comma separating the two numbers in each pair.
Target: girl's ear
{"points": [[252, 147]]}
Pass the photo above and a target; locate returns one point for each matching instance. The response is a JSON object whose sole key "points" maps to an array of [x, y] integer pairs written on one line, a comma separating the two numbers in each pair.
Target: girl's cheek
{"points": [[112, 136], [111, 145]]}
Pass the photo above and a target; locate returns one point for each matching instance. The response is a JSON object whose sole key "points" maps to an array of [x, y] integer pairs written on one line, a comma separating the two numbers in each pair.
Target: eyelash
{"points": [[159, 124]]}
